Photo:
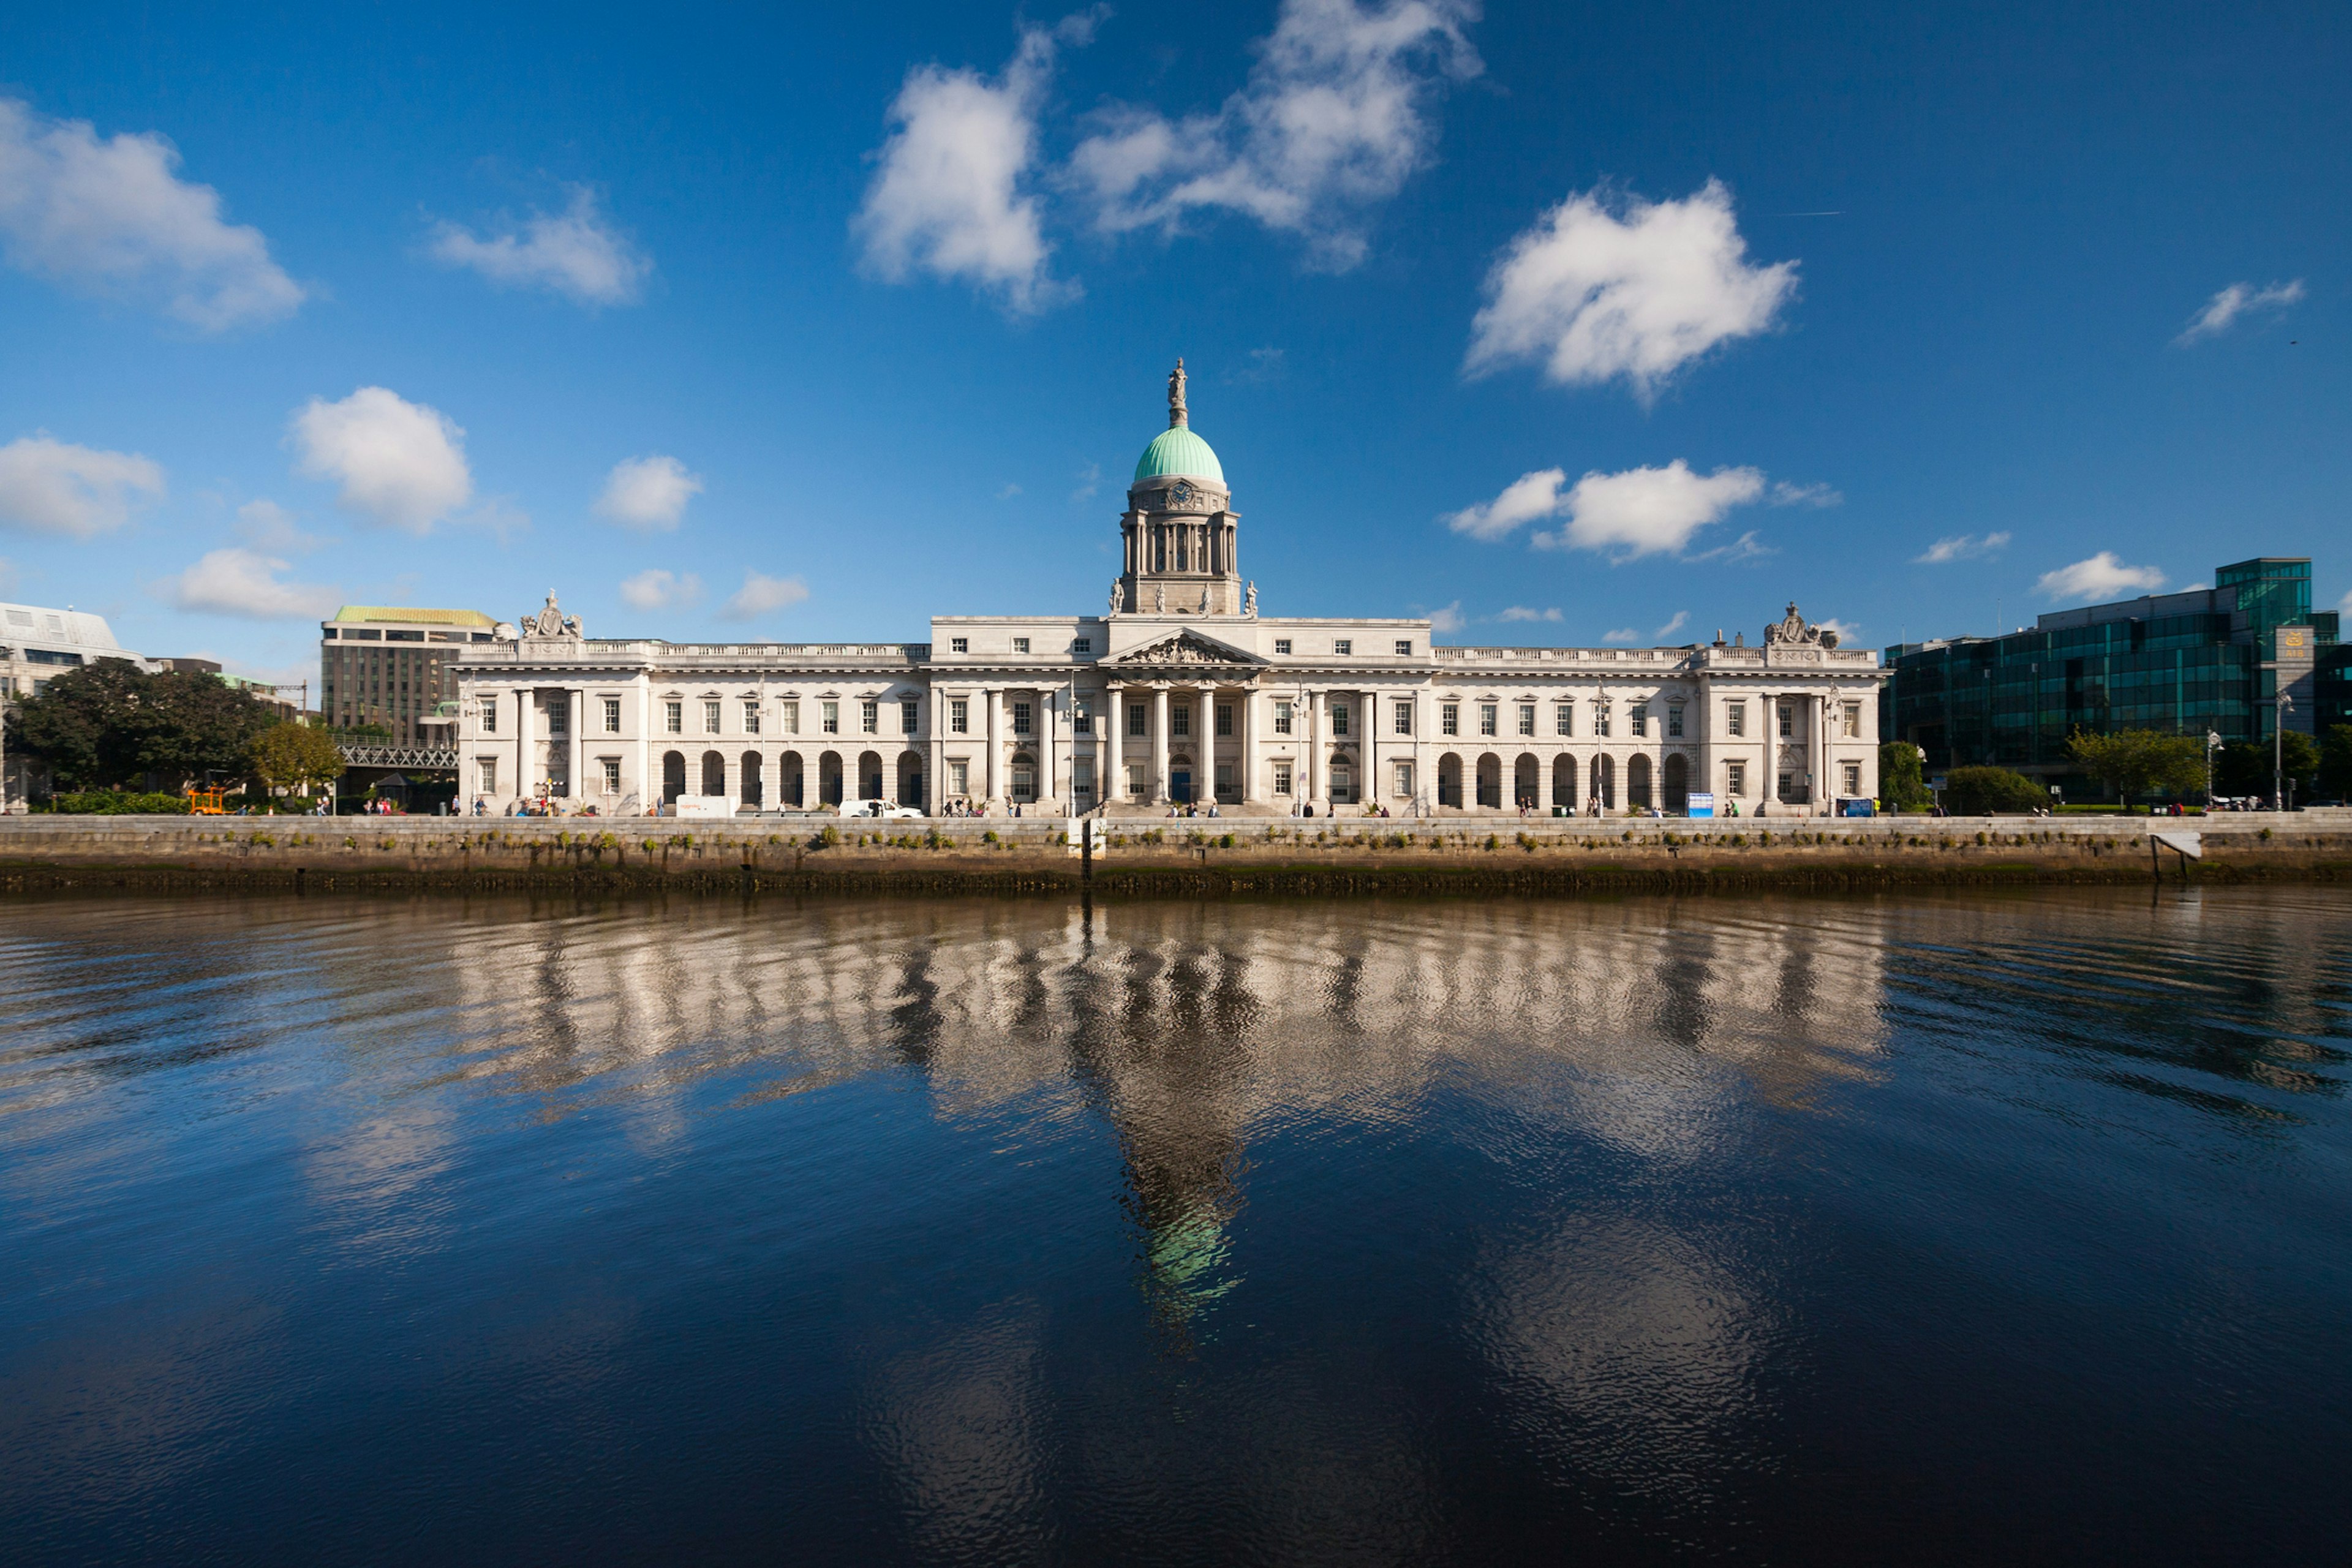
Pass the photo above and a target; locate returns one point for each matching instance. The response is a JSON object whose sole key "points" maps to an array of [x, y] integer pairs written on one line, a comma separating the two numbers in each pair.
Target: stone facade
{"points": [[1180, 692]]}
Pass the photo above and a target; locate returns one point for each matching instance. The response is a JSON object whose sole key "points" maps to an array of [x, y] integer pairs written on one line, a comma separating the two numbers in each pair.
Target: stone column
{"points": [[649, 787], [1204, 781], [578, 703], [1368, 785], [1111, 747], [1318, 765], [1247, 732], [993, 771], [521, 790], [1156, 791], [935, 792]]}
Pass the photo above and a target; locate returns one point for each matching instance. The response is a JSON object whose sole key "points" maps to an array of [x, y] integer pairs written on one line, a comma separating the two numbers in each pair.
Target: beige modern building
{"points": [[1178, 691], [389, 665]]}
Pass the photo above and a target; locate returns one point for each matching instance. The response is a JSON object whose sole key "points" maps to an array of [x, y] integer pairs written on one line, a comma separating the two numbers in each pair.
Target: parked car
{"points": [[890, 809]]}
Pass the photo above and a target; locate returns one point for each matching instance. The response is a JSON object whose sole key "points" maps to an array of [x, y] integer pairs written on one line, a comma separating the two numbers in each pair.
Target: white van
{"points": [[882, 809]]}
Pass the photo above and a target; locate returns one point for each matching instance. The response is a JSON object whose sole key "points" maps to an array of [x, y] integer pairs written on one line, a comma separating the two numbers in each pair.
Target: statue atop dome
{"points": [[1177, 417]]}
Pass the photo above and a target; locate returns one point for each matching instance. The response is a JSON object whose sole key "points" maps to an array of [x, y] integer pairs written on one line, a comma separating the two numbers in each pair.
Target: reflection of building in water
{"points": [[1186, 1026]]}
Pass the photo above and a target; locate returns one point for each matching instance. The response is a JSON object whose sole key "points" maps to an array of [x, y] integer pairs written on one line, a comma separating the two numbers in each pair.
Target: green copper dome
{"points": [[1177, 450]]}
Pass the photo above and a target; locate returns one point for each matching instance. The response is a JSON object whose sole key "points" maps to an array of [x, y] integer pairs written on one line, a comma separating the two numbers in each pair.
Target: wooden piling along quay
{"points": [[1186, 856]]}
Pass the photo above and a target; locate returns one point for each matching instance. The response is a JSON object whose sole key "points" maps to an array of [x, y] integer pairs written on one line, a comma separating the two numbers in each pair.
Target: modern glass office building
{"points": [[2208, 660]]}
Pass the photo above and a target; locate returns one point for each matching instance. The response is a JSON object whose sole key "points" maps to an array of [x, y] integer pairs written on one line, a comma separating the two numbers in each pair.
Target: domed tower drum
{"points": [[1180, 533]]}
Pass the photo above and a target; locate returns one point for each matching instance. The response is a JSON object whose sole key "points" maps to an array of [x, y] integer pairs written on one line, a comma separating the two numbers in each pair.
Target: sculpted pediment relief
{"points": [[1185, 647]]}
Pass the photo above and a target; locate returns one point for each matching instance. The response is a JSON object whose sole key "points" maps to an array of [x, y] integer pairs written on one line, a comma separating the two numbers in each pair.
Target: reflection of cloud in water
{"points": [[1631, 1353], [956, 1426]]}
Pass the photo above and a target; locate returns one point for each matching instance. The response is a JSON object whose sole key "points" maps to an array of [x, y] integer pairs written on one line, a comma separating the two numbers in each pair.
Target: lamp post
{"points": [[2212, 744], [2278, 753]]}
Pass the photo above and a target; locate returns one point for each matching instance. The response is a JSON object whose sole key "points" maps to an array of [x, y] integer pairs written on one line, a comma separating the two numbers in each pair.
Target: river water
{"points": [[1959, 1228]]}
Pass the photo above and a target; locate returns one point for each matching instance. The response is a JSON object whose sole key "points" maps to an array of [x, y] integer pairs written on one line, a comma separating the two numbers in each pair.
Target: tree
{"points": [[2245, 767], [1900, 785], [112, 725], [1979, 792], [2334, 778], [2135, 763], [288, 756]]}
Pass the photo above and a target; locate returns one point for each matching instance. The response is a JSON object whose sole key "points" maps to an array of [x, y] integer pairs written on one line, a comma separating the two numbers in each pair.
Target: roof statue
{"points": [[1115, 594], [1793, 630], [1249, 602], [550, 622], [1177, 417]]}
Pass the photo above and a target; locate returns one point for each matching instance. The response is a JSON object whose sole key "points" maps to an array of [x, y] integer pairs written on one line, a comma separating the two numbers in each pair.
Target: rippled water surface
{"points": [[1966, 1228]]}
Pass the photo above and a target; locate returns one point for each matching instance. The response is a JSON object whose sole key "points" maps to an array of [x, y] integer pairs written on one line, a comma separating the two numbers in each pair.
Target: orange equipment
{"points": [[206, 801]]}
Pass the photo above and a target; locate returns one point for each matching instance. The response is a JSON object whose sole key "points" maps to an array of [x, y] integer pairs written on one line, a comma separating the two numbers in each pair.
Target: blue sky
{"points": [[1631, 321]]}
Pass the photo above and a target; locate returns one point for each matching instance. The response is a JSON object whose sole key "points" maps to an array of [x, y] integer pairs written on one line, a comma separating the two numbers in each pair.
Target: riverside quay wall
{"points": [[1147, 855]]}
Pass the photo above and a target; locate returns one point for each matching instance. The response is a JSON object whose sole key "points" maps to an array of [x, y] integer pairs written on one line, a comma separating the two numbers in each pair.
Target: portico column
{"points": [[578, 702], [646, 790], [1111, 748], [936, 795], [522, 743], [1247, 702], [1157, 791], [1205, 781], [1318, 765]]}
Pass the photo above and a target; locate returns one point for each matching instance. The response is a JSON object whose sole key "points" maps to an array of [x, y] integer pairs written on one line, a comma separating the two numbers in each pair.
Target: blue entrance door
{"points": [[1180, 785]]}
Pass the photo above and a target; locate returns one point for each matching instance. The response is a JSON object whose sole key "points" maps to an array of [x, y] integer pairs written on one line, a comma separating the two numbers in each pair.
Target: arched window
{"points": [[673, 776], [714, 775], [753, 780]]}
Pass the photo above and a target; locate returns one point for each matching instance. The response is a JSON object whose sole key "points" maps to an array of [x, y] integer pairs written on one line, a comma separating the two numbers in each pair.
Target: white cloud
{"points": [[1622, 634], [576, 253], [1264, 366], [240, 581], [113, 217], [1744, 548], [1333, 120], [1639, 292], [1846, 630], [2236, 301], [1007, 490], [1682, 619], [400, 463], [1090, 482], [2344, 604], [762, 594], [950, 198], [1648, 511], [1528, 497], [55, 487], [1527, 613], [647, 494], [655, 589], [1447, 620], [1960, 547], [2103, 576], [1814, 495]]}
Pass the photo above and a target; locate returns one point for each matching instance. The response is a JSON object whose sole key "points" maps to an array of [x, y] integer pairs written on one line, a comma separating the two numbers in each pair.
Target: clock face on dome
{"points": [[1181, 495]]}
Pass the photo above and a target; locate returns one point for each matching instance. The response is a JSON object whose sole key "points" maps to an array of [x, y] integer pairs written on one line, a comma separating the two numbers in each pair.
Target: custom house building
{"points": [[1178, 692]]}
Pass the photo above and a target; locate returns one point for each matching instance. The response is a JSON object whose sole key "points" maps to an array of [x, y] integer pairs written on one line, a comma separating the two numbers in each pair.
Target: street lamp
{"points": [[2212, 744], [2278, 753]]}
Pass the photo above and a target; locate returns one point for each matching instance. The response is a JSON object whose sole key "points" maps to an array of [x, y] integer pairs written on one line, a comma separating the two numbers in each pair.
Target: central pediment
{"points": [[1187, 647]]}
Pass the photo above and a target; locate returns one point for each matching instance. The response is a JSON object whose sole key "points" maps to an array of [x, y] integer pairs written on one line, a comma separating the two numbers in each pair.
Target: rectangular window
{"points": [[1734, 718], [1019, 645], [1788, 722], [1343, 645], [1674, 720], [1224, 719], [788, 715], [1282, 718], [612, 776], [1404, 648], [1082, 716], [1338, 718], [1083, 645], [1134, 780], [1487, 718], [830, 718], [958, 778], [487, 775], [1282, 644], [1601, 721], [1404, 779], [1137, 720], [490, 716], [870, 717], [1282, 778], [1526, 718], [1640, 718], [958, 718], [1449, 719], [1852, 774], [1082, 778], [710, 718], [958, 645], [1404, 717], [1735, 778], [612, 715], [1021, 718], [1563, 718], [751, 717], [1180, 719], [910, 718], [1852, 725], [559, 715]]}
